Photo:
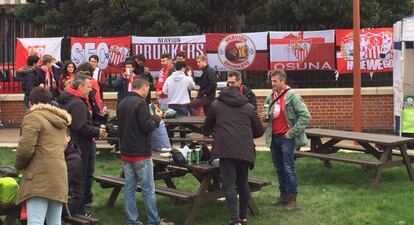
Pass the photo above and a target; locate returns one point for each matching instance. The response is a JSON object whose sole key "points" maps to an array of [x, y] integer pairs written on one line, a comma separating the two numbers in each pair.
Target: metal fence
{"points": [[11, 28]]}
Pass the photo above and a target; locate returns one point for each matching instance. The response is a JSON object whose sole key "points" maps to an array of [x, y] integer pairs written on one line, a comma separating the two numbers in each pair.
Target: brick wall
{"points": [[328, 111]]}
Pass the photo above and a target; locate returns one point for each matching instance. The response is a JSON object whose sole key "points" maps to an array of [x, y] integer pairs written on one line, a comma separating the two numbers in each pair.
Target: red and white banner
{"points": [[376, 50], [112, 52], [36, 46], [306, 50], [243, 51], [154, 47]]}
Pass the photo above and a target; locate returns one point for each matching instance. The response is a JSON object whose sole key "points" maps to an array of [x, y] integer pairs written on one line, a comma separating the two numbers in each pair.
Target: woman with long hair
{"points": [[68, 72]]}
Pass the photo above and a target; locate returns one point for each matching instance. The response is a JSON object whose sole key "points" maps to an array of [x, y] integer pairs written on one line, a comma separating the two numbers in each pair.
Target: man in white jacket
{"points": [[177, 87]]}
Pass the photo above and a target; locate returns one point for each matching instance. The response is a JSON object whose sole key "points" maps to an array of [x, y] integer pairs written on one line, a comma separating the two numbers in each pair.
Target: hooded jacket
{"points": [[176, 87], [40, 154], [74, 165], [82, 129], [235, 124]]}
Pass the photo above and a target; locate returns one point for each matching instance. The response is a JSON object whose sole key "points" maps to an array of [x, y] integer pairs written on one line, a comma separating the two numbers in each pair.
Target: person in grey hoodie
{"points": [[176, 87]]}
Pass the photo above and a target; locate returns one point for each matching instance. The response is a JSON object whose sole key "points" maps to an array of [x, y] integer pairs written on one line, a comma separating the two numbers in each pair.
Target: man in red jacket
{"points": [[166, 64]]}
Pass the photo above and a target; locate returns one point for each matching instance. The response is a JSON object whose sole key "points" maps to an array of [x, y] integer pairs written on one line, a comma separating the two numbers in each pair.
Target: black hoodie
{"points": [[234, 122]]}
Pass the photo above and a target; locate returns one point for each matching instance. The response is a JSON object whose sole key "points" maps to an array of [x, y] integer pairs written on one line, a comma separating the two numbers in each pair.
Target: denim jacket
{"points": [[297, 116]]}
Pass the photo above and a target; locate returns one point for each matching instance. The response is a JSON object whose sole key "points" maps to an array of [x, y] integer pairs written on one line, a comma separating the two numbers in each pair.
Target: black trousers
{"points": [[235, 174]]}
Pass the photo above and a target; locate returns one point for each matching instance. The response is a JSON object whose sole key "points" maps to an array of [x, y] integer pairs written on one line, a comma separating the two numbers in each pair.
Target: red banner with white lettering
{"points": [[306, 50], [153, 47], [376, 50], [36, 46], [242, 51], [112, 52]]}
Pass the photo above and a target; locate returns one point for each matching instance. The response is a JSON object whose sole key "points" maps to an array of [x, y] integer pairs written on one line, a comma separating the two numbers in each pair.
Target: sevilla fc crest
{"points": [[301, 48], [37, 50]]}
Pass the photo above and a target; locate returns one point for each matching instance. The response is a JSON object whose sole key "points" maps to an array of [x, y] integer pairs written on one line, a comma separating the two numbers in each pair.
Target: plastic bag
{"points": [[8, 190]]}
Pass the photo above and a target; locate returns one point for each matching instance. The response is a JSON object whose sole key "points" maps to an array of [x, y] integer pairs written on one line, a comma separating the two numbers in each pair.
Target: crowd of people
{"points": [[65, 108]]}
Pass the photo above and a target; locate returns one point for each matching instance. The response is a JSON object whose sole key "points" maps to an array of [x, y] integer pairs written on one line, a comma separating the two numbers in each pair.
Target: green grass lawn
{"points": [[326, 196]]}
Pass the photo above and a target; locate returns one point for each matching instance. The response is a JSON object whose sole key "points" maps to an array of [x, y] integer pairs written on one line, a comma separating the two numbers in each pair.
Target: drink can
{"points": [[189, 157], [102, 126], [266, 111], [197, 154]]}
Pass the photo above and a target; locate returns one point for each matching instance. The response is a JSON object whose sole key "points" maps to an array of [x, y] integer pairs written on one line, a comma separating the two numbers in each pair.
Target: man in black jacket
{"points": [[208, 85], [135, 123], [235, 123], [234, 78], [74, 100]]}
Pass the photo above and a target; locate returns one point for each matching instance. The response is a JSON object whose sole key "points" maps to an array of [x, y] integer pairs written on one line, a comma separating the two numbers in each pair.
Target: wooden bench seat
{"points": [[336, 158], [359, 148], [200, 139], [253, 182], [12, 213], [110, 181], [256, 184]]}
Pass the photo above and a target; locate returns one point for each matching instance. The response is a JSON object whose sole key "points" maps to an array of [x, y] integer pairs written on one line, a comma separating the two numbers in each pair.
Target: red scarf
{"points": [[48, 77], [74, 92]]}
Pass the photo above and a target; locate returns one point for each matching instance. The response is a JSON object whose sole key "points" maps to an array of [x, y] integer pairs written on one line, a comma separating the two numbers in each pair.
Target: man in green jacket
{"points": [[287, 119]]}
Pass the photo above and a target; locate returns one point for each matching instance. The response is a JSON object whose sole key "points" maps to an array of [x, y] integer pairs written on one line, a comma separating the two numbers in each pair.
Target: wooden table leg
{"points": [[115, 192], [11, 217], [252, 206], [378, 170], [407, 161], [196, 203], [114, 195]]}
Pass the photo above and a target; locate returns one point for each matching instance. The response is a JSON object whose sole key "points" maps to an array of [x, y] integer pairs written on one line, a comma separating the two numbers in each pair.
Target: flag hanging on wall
{"points": [[112, 52], [36, 46], [242, 51], [302, 50], [376, 50]]}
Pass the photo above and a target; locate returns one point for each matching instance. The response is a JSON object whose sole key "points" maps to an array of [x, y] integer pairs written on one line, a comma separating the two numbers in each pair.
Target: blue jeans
{"points": [[90, 169], [283, 160], [140, 172], [40, 208], [182, 110]]}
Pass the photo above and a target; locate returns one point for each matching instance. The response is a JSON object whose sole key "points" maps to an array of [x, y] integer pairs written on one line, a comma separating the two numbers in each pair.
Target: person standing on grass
{"points": [[135, 124], [40, 157], [288, 118], [176, 87], [31, 78], [234, 78], [97, 73], [166, 70], [235, 124], [207, 88], [75, 100]]}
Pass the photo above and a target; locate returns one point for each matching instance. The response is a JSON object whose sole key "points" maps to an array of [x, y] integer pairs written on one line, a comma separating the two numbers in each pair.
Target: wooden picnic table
{"points": [[378, 145], [208, 176], [193, 123]]}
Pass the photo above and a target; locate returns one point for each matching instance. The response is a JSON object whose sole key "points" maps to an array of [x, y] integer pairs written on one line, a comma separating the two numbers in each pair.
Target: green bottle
{"points": [[19, 179]]}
